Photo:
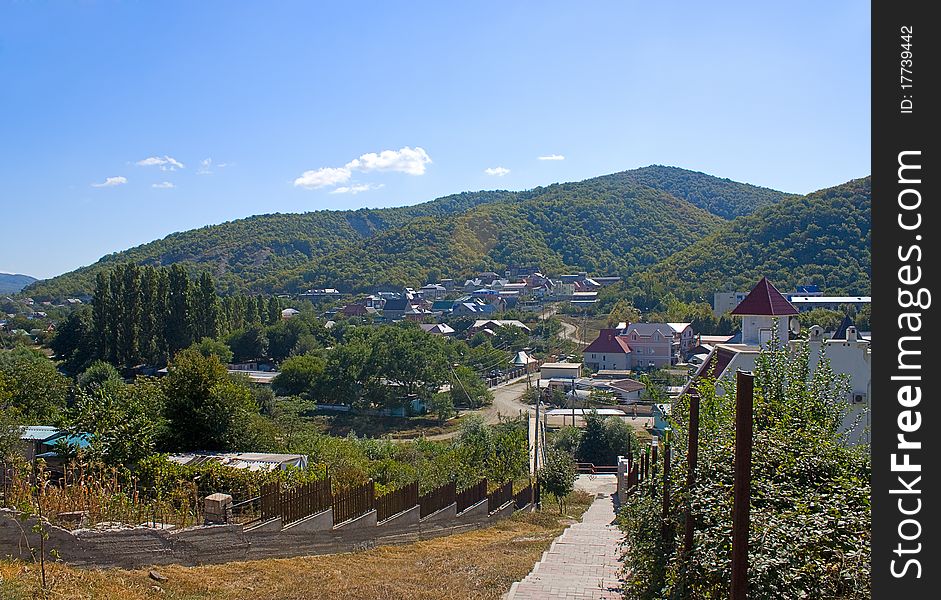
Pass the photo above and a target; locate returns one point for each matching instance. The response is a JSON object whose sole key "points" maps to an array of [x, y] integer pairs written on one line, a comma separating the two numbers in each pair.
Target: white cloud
{"points": [[111, 182], [552, 157], [356, 188], [323, 177], [163, 185], [405, 160], [497, 171], [411, 161], [166, 163], [205, 167]]}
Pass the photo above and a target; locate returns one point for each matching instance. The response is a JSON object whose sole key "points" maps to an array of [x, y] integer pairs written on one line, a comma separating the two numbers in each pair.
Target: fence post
{"points": [[692, 457], [744, 405], [665, 511]]}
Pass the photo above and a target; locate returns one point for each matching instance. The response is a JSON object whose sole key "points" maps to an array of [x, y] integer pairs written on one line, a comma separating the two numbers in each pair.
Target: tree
{"points": [[206, 308], [74, 340], [468, 389], [623, 312], [249, 344], [299, 376], [442, 406], [205, 409], [558, 475], [98, 375], [37, 391], [124, 420], [212, 347], [179, 320]]}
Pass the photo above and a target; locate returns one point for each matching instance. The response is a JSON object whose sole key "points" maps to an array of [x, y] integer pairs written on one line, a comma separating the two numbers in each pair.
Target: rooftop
{"points": [[765, 300]]}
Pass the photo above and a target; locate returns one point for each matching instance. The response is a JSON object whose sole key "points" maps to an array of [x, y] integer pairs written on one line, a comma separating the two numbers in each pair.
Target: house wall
{"points": [[607, 360]]}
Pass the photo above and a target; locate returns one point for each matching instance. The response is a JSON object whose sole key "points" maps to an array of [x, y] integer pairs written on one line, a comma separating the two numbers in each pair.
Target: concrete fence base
{"points": [[135, 547]]}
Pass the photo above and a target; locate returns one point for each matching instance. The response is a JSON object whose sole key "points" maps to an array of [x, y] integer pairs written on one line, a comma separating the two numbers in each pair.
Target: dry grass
{"points": [[477, 564]]}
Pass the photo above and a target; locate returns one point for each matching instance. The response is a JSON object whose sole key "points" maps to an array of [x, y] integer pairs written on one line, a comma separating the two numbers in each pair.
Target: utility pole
{"points": [[744, 405]]}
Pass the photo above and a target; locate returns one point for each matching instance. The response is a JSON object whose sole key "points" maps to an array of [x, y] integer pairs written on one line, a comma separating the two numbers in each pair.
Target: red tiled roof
{"points": [[765, 300], [608, 342]]}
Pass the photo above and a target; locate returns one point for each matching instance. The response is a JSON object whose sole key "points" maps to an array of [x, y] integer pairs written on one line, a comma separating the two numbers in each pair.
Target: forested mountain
{"points": [[615, 224], [600, 226], [822, 238], [11, 283], [723, 197]]}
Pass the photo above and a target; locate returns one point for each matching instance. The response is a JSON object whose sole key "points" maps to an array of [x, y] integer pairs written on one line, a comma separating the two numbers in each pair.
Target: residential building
{"points": [[652, 345], [723, 302], [608, 351]]}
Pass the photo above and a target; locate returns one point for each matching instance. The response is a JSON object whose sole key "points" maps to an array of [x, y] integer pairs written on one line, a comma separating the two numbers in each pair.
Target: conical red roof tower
{"points": [[765, 300]]}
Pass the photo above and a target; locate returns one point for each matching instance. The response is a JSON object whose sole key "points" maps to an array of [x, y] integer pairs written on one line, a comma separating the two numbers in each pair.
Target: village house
{"points": [[652, 345], [609, 351]]}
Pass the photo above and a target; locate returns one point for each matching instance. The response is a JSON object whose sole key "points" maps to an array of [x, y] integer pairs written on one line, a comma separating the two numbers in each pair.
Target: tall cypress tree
{"points": [[101, 316], [206, 302], [179, 318], [130, 319], [274, 310]]}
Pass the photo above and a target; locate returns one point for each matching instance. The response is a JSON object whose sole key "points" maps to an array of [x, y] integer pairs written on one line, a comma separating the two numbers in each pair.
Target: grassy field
{"points": [[339, 425], [478, 564]]}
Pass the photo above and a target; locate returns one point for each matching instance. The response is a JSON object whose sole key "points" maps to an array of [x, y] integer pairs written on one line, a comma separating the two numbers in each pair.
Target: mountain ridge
{"points": [[285, 251]]}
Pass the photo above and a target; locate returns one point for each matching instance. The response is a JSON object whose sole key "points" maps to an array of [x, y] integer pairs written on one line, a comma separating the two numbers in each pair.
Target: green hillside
{"points": [[723, 197], [351, 249], [600, 226], [822, 238]]}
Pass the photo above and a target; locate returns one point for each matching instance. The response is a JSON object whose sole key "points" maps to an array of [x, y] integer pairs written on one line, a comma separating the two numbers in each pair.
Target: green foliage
{"points": [[99, 374], [123, 420], [442, 406], [823, 238], [468, 389], [558, 475], [205, 409], [604, 439], [212, 347], [36, 390], [810, 514], [299, 376]]}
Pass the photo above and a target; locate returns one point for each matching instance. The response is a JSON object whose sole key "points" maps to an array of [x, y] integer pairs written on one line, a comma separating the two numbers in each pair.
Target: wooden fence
{"points": [[500, 496], [523, 497], [437, 499], [305, 500], [396, 501], [470, 496], [353, 502]]}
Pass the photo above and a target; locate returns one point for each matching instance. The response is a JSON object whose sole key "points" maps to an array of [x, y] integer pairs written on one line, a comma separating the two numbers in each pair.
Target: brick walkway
{"points": [[582, 563]]}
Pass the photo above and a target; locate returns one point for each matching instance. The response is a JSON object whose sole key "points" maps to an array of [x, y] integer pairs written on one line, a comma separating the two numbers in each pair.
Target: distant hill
{"points": [[822, 238], [617, 223], [11, 283]]}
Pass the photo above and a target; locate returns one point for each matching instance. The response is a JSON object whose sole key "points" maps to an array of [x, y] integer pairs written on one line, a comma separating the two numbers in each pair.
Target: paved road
{"points": [[584, 561]]}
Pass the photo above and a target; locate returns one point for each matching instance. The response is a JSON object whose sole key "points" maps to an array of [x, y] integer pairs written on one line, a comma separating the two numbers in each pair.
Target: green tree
{"points": [[123, 420], [212, 347], [36, 389], [442, 406], [468, 389], [98, 375], [205, 409], [299, 376], [179, 321], [558, 476]]}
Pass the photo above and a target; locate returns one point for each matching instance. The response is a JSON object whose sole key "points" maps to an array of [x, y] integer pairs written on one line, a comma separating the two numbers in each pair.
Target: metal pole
{"points": [[692, 457], [744, 404]]}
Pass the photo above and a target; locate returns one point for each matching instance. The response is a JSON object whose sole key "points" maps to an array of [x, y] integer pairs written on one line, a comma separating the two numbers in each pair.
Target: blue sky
{"points": [[110, 110]]}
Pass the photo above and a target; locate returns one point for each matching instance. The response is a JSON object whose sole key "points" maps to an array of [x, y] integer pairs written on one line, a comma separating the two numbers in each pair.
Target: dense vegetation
{"points": [[258, 253], [722, 197], [821, 238], [810, 528]]}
